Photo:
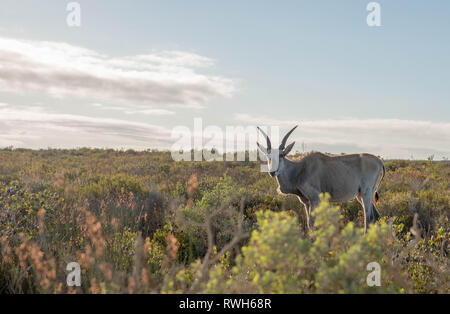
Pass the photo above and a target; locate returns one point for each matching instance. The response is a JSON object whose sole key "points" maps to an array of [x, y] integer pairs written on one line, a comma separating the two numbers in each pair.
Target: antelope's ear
{"points": [[262, 149], [288, 149]]}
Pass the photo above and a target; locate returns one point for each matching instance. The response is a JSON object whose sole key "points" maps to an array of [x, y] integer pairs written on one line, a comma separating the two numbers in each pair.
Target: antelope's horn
{"points": [[269, 145], [285, 138]]}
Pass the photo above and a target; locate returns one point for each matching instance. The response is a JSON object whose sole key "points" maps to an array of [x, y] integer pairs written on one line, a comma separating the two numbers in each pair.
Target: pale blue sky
{"points": [[288, 61]]}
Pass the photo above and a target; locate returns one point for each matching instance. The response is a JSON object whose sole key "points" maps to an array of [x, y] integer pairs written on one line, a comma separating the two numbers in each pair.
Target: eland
{"points": [[343, 177]]}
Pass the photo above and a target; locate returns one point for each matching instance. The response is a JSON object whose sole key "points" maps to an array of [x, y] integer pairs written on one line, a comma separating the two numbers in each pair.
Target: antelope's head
{"points": [[275, 157]]}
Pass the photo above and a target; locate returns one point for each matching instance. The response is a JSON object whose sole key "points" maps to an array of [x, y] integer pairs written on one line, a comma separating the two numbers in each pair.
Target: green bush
{"points": [[216, 206], [332, 260]]}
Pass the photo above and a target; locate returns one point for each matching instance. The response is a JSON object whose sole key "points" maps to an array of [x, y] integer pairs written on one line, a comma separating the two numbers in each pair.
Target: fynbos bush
{"points": [[332, 260]]}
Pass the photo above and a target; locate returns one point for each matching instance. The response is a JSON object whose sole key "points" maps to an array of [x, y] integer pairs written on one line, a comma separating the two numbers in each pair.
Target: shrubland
{"points": [[138, 222]]}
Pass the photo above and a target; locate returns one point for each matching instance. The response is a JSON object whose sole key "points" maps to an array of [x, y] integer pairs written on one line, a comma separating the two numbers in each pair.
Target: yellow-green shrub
{"points": [[332, 260]]}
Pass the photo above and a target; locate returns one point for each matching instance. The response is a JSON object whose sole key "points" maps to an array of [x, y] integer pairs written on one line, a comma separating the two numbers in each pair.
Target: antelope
{"points": [[343, 177]]}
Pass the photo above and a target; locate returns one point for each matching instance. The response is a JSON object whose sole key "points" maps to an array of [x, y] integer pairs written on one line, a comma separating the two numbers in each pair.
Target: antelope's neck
{"points": [[286, 178]]}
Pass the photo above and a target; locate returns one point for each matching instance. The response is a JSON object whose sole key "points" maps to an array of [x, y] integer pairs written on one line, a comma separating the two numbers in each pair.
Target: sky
{"points": [[134, 71]]}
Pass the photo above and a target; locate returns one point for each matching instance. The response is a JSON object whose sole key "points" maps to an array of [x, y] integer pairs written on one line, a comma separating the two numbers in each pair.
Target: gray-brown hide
{"points": [[344, 177]]}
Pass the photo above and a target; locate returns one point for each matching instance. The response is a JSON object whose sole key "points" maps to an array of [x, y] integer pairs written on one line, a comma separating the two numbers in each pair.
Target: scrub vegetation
{"points": [[138, 222]]}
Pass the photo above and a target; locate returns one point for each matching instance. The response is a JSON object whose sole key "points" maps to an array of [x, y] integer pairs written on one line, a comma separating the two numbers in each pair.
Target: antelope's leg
{"points": [[359, 198], [374, 202], [306, 203], [315, 202], [368, 208], [376, 213]]}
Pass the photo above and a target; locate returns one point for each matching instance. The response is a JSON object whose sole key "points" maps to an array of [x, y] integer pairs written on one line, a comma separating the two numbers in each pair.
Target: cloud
{"points": [[151, 112], [33, 127], [136, 110], [63, 70], [391, 138]]}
